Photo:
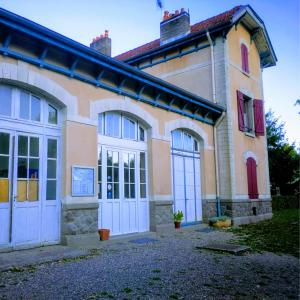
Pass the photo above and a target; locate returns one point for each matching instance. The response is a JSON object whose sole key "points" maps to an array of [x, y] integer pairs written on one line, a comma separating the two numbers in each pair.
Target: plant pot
{"points": [[104, 234], [222, 224], [177, 224]]}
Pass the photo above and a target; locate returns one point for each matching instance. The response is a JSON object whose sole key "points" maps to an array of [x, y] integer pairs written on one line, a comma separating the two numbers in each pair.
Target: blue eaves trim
{"points": [[52, 38]]}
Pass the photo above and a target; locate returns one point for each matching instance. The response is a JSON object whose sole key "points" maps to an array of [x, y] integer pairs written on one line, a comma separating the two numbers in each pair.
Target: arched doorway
{"points": [[186, 175], [29, 175], [122, 174]]}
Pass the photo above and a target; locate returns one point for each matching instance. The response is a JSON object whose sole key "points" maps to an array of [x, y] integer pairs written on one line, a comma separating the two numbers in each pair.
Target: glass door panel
{"points": [[4, 167]]}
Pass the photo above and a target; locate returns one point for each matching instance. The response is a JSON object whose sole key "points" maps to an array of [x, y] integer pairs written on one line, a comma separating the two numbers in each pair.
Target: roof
{"points": [[207, 24], [218, 24]]}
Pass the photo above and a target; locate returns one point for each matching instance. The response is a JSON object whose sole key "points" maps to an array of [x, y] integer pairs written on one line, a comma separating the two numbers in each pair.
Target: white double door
{"points": [[28, 175], [187, 185], [121, 207]]}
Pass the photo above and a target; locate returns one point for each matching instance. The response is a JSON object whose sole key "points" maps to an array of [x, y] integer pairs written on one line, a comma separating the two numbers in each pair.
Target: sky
{"points": [[132, 23]]}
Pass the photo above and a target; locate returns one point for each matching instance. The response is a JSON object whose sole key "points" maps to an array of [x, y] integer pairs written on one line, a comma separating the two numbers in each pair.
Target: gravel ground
{"points": [[170, 268]]}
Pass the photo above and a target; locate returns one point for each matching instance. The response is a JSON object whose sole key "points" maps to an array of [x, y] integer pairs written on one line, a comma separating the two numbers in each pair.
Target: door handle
{"points": [[15, 198]]}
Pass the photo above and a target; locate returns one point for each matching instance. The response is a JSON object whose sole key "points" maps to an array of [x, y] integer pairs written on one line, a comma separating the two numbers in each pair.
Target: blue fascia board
{"points": [[50, 37]]}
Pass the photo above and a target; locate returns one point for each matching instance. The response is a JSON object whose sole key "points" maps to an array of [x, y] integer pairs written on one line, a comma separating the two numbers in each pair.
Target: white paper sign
{"points": [[82, 181]]}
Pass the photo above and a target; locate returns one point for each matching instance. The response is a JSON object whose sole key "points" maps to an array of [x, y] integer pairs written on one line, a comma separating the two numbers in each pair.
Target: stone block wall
{"points": [[79, 221], [161, 216]]}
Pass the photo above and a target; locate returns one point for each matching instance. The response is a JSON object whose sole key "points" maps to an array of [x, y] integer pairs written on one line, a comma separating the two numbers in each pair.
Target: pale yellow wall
{"points": [[191, 72], [253, 85], [80, 147]]}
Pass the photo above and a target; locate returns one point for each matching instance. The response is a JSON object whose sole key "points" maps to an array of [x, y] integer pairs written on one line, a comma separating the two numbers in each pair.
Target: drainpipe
{"points": [[218, 204], [213, 79], [212, 66]]}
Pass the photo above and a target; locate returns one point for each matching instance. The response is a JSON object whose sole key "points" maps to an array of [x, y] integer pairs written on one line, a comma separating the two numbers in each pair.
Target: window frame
{"points": [[245, 58], [248, 114]]}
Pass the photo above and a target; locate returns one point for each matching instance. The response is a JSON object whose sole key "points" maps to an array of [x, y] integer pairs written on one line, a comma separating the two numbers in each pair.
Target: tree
{"points": [[283, 158], [297, 103]]}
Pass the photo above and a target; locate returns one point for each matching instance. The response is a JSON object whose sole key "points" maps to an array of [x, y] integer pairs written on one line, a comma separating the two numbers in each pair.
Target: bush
{"points": [[284, 202]]}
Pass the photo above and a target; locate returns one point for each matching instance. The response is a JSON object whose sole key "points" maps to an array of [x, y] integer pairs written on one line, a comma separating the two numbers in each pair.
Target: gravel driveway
{"points": [[169, 267]]}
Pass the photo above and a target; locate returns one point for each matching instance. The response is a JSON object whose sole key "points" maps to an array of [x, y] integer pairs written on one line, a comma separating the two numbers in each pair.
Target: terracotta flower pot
{"points": [[177, 224], [222, 224], [104, 234]]}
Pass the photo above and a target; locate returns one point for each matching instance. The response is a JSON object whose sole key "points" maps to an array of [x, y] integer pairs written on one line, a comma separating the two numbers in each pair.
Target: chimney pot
{"points": [[102, 43], [174, 26]]}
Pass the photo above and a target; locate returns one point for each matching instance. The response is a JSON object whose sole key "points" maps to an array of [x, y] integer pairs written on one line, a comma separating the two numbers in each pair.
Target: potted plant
{"points": [[178, 217], [104, 234], [220, 222]]}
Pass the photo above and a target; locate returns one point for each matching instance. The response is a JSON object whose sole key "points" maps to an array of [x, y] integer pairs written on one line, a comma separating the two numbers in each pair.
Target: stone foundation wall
{"points": [[161, 216], [79, 220], [209, 209]]}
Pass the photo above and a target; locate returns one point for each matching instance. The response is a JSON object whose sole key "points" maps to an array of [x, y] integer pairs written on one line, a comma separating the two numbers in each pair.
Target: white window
{"points": [[117, 125], [182, 140]]}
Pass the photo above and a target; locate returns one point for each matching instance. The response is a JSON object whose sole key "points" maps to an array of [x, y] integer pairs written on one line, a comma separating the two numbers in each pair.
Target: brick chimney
{"points": [[174, 26], [102, 43]]}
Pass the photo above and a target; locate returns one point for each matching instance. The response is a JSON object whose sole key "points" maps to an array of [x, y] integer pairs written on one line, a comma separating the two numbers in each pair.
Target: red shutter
{"points": [[252, 178], [240, 106], [245, 61], [258, 107]]}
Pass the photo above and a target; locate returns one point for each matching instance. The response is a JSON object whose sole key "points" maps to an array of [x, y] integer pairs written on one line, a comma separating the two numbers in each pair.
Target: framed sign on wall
{"points": [[83, 179]]}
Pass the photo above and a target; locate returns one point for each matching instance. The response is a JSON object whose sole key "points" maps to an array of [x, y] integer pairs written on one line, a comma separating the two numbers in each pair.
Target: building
{"points": [[88, 141]]}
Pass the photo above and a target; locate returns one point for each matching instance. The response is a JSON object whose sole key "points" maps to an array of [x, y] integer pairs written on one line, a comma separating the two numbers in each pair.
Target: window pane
{"points": [[143, 191], [52, 148], [109, 191], [51, 190], [52, 115], [33, 168], [176, 139], [116, 174], [142, 134], [187, 142], [99, 190], [99, 156], [109, 174], [129, 129], [24, 106], [131, 160], [113, 124], [22, 145], [132, 191], [99, 173], [4, 190], [116, 191], [4, 166], [100, 123], [35, 109], [142, 176], [126, 190], [132, 179], [126, 175], [195, 145], [33, 190], [4, 143], [22, 190], [109, 158], [22, 168], [51, 169], [115, 159], [34, 147], [5, 100], [142, 160]]}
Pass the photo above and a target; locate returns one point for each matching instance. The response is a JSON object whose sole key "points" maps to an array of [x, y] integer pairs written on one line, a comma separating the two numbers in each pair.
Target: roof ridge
{"points": [[219, 18]]}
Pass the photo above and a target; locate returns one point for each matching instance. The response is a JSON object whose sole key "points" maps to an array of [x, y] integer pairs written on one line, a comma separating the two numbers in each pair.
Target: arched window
{"points": [[245, 60], [182, 140], [117, 125], [252, 178], [25, 106]]}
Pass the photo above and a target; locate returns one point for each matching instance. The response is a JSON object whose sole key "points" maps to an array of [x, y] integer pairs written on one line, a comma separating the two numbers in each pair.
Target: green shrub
{"points": [[284, 202], [178, 216]]}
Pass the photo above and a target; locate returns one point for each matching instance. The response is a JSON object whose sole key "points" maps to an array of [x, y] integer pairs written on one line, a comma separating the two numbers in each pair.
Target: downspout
{"points": [[213, 79]]}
